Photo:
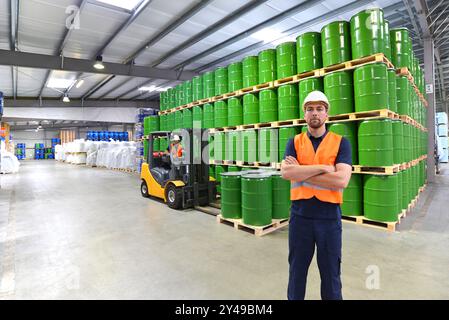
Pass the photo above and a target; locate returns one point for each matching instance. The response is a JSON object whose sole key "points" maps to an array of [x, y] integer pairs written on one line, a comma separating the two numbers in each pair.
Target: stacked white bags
{"points": [[9, 162]]}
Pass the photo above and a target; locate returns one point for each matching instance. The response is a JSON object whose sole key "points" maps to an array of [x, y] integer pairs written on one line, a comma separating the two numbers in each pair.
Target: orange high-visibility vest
{"points": [[176, 150], [325, 154]]}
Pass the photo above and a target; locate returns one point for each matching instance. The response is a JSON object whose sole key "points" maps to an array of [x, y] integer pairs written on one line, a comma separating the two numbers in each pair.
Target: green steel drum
{"points": [[179, 122], [286, 60], [233, 169], [257, 199], [179, 94], [400, 191], [197, 115], [304, 129], [371, 87], [171, 98], [156, 145], [402, 196], [163, 122], [221, 114], [308, 52], [285, 134], [375, 140], [231, 197], [208, 84], [151, 124], [398, 142], [211, 147], [146, 126], [187, 118], [162, 102], [250, 71], [401, 47], [197, 88], [233, 146], [268, 105], [249, 143], [218, 171], [188, 92], [281, 196], [387, 49], [336, 43], [416, 67], [163, 143], [145, 149], [349, 131], [221, 80], [392, 98], [267, 65], [307, 86], [353, 197], [407, 153], [367, 33], [380, 195], [208, 116], [268, 145], [250, 108], [288, 102], [212, 171], [235, 111], [402, 95], [220, 146], [171, 121], [235, 76], [338, 87]]}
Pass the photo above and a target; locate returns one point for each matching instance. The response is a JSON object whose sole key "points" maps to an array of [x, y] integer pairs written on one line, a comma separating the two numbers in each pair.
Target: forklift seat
{"points": [[161, 175]]}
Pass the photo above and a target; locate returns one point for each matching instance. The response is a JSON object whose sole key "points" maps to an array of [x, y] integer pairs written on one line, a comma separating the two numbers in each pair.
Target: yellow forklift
{"points": [[181, 183]]}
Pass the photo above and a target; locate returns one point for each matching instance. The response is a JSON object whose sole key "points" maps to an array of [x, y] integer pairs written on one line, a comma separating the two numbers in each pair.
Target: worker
{"points": [[175, 147], [318, 163]]}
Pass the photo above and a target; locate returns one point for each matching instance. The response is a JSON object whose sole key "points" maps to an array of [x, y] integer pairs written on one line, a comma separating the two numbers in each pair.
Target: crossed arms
{"points": [[326, 176]]}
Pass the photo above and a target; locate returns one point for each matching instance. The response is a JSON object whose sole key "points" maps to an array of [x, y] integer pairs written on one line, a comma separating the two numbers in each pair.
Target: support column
{"points": [[429, 71]]}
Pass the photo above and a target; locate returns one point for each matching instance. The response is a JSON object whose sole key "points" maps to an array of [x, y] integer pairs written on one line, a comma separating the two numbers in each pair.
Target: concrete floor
{"points": [[72, 232]]}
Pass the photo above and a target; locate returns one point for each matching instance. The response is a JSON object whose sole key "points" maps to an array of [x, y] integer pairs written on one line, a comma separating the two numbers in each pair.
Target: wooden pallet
{"points": [[386, 170], [352, 64], [386, 226], [405, 72], [364, 115], [257, 231], [256, 88]]}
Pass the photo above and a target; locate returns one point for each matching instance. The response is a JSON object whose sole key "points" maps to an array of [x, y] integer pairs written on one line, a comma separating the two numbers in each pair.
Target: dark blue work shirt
{"points": [[313, 207]]}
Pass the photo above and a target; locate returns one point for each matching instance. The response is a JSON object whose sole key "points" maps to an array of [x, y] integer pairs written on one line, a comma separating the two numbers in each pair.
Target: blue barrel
{"points": [[1, 103]]}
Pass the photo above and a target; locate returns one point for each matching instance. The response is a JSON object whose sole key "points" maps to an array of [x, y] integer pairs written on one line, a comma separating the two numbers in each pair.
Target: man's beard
{"points": [[315, 124]]}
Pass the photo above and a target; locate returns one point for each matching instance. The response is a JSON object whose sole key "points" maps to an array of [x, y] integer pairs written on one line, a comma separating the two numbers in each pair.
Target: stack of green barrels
{"points": [[368, 87], [256, 196], [152, 124]]}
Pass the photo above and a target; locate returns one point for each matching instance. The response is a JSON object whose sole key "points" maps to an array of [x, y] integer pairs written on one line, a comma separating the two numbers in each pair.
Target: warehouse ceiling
{"points": [[164, 39]]}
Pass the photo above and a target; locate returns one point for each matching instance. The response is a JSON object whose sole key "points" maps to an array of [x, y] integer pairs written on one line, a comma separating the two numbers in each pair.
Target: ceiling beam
{"points": [[14, 7], [57, 103], [62, 43], [42, 61], [149, 43]]}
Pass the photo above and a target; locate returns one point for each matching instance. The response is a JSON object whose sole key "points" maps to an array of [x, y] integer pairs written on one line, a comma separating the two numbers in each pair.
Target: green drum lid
{"points": [[231, 203], [392, 100], [235, 76], [235, 112], [285, 134], [308, 52], [375, 143], [367, 33], [221, 114], [336, 43], [250, 71], [281, 196], [371, 87], [286, 59], [268, 105], [307, 86], [338, 87], [380, 195], [349, 131], [250, 108], [267, 65], [288, 102], [257, 199], [353, 197]]}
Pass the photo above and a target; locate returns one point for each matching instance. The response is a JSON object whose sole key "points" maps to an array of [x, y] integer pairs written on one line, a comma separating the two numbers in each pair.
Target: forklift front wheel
{"points": [[173, 196], [144, 189]]}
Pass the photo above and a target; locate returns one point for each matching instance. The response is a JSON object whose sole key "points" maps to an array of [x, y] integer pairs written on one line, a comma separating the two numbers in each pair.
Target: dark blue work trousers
{"points": [[304, 235]]}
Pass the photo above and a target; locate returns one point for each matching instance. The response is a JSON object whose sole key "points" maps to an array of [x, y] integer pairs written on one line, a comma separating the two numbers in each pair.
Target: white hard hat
{"points": [[316, 96], [175, 138]]}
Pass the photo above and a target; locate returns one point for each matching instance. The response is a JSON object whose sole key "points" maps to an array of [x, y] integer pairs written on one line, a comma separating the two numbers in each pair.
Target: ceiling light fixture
{"points": [[125, 4], [99, 63], [66, 98], [79, 83]]}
